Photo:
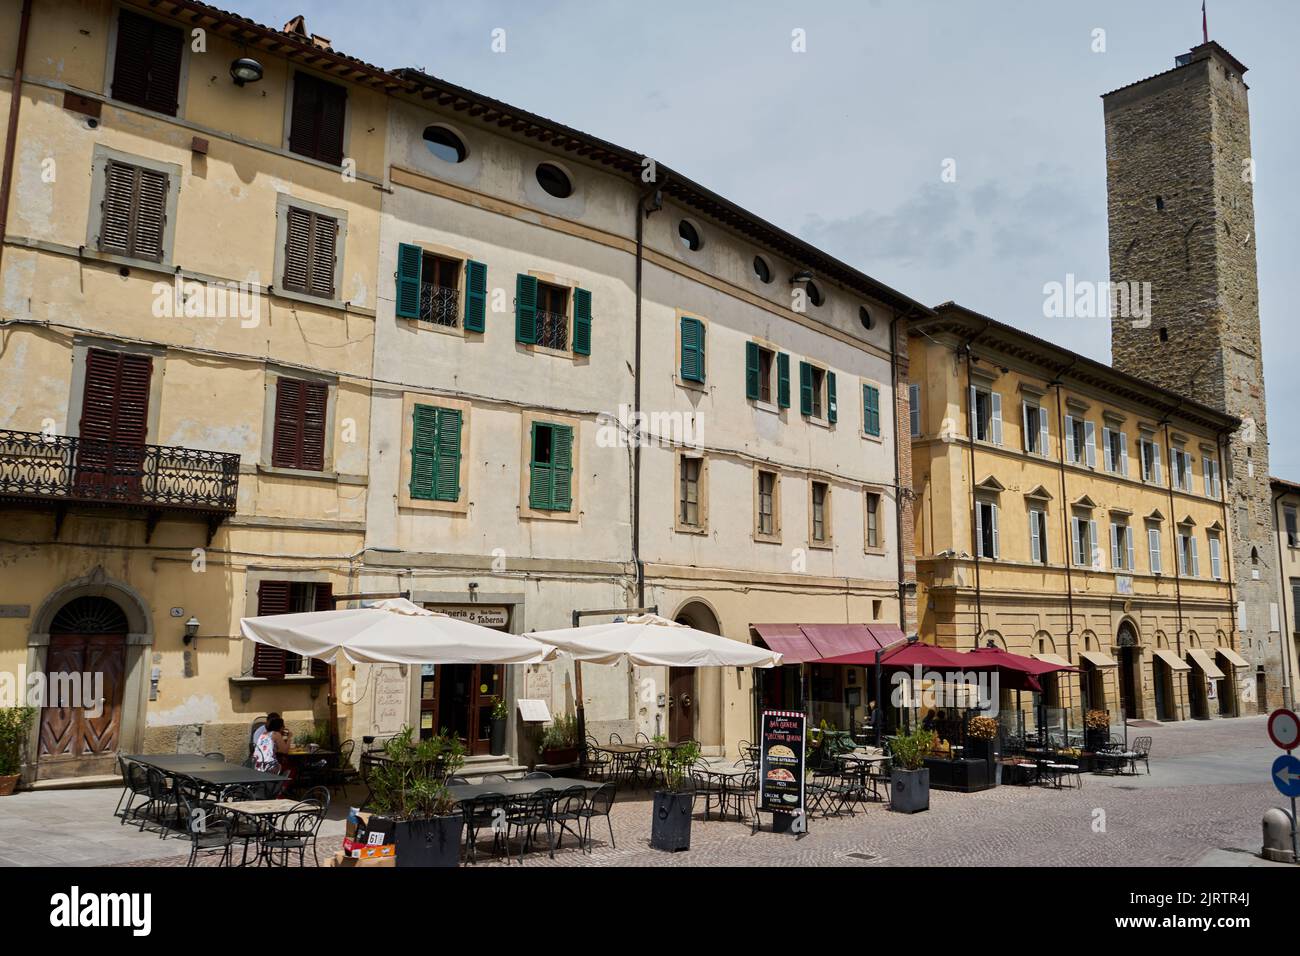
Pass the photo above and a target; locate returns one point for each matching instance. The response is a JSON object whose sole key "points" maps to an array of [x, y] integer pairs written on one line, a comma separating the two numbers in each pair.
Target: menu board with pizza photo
{"points": [[781, 762]]}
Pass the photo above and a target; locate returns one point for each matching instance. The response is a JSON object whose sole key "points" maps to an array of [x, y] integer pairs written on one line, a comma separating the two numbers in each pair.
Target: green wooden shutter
{"points": [[475, 296], [447, 475], [783, 380], [561, 467], [832, 410], [805, 389], [539, 475], [525, 309], [751, 370], [871, 410], [692, 349], [409, 261], [424, 450], [581, 322]]}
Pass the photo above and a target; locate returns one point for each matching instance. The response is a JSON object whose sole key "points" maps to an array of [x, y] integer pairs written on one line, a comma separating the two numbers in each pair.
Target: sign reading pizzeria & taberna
{"points": [[781, 766]]}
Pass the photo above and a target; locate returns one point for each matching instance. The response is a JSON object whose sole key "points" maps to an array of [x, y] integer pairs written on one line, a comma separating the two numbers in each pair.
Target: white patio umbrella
{"points": [[393, 631], [653, 641]]}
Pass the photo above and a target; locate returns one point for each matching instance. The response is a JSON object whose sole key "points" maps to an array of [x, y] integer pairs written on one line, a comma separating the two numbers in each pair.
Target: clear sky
{"points": [[845, 143]]}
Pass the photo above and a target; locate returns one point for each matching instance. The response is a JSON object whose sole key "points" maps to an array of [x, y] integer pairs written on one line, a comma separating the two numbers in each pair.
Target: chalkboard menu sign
{"points": [[781, 766]]}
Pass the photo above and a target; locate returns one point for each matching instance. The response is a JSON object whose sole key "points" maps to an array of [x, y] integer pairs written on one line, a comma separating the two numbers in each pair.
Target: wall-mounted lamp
{"points": [[245, 70], [191, 629]]}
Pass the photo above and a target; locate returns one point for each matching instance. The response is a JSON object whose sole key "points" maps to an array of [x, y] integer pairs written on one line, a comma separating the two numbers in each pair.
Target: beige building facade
{"points": [[1074, 513]]}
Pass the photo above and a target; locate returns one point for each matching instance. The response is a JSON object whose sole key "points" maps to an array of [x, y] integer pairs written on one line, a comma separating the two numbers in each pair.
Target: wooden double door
{"points": [[81, 729], [459, 698]]}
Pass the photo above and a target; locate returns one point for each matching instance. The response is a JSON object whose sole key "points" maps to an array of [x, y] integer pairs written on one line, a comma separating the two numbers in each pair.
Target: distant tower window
{"points": [[1164, 334], [1160, 202]]}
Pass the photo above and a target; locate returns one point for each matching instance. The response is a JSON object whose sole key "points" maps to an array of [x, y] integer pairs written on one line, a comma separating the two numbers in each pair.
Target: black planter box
{"points": [[434, 842], [963, 776], [909, 790], [670, 828]]}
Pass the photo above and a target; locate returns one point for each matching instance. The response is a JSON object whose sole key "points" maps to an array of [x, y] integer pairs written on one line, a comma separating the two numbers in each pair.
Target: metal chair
{"points": [[599, 805], [742, 792], [342, 773], [215, 755], [296, 830], [135, 783], [485, 810], [493, 778], [1142, 751], [457, 781], [246, 827], [525, 814], [567, 809], [208, 829], [161, 801], [538, 775], [705, 784]]}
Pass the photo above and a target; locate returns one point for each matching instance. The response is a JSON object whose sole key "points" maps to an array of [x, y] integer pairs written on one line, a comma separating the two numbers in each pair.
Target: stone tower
{"points": [[1179, 179]]}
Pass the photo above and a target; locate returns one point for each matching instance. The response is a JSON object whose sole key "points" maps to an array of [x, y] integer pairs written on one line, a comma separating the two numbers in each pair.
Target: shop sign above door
{"points": [[486, 615]]}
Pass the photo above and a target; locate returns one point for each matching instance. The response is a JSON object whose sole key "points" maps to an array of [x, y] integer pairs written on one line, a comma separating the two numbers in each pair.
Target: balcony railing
{"points": [[552, 330], [54, 469], [439, 304]]}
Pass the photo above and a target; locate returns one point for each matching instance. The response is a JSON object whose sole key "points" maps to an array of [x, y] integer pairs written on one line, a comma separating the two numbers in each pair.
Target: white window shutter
{"points": [[1190, 483], [979, 530], [1216, 566], [1105, 449], [1070, 453], [1153, 546], [974, 414], [1123, 454], [1096, 545], [1024, 426], [1182, 553], [995, 401], [1076, 547], [1044, 448], [1090, 438], [1155, 450], [1196, 561], [993, 512], [1035, 542], [1128, 540]]}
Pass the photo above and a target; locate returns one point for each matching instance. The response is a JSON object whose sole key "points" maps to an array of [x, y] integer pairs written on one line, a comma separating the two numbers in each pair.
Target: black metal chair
{"points": [[485, 810], [493, 778], [538, 775], [207, 827], [567, 809], [342, 773], [135, 783], [247, 828], [295, 830], [215, 755], [161, 802], [707, 785], [742, 793], [599, 805], [457, 781], [599, 763], [525, 814]]}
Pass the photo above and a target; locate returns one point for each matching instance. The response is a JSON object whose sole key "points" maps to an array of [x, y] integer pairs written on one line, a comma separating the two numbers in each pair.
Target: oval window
{"points": [[814, 294], [762, 271], [554, 180], [445, 144], [865, 317], [689, 235]]}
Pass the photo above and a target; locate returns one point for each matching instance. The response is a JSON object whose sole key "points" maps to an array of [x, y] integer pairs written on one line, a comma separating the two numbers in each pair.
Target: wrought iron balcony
{"points": [[552, 330], [439, 304], [58, 471]]}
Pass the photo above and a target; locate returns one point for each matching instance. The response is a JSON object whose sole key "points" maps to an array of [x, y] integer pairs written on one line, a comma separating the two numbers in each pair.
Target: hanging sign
{"points": [[781, 762]]}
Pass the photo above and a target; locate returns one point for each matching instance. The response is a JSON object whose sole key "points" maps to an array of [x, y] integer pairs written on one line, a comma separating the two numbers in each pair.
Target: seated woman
{"points": [[277, 740]]}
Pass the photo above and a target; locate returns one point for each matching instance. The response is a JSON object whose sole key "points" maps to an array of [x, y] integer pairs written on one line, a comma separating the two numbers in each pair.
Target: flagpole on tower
{"points": [[1205, 25]]}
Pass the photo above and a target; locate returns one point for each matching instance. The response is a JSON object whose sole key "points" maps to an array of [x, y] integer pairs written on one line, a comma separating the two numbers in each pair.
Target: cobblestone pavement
{"points": [[1202, 803]]}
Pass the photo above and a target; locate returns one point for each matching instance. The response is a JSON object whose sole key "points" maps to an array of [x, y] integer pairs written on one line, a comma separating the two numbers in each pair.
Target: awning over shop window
{"points": [[1175, 662], [1202, 660], [846, 643], [1232, 657], [1098, 659], [1056, 659]]}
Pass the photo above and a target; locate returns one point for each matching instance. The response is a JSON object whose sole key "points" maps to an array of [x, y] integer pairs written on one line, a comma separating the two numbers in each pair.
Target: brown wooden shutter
{"points": [[324, 241], [133, 217], [314, 406], [297, 251], [147, 64], [273, 597], [115, 212], [287, 438], [319, 112], [150, 215], [324, 602]]}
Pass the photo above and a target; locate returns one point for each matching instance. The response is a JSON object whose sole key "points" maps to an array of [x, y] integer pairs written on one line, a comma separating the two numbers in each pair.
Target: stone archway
{"points": [[694, 695], [1129, 650], [92, 632]]}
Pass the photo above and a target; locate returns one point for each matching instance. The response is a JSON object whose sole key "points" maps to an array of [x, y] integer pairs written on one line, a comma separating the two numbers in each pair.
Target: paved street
{"points": [[1201, 805]]}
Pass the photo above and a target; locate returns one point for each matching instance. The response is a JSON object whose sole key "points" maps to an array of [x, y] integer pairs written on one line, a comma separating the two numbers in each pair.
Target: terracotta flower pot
{"points": [[8, 784]]}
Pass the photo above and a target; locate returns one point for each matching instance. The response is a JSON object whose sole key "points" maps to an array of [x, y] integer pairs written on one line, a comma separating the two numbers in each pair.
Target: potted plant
{"points": [[560, 741], [1096, 730], [497, 735], [670, 827], [982, 734], [409, 786], [15, 725], [909, 779]]}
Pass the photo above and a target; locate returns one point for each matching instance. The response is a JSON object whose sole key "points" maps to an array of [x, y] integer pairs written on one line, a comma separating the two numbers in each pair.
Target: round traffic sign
{"points": [[1284, 728], [1286, 775]]}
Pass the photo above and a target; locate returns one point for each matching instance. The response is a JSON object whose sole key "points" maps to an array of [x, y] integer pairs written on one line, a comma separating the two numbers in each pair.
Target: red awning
{"points": [[827, 643], [1028, 665]]}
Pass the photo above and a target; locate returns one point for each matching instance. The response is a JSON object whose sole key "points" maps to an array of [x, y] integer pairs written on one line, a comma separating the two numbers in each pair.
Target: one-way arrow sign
{"points": [[1286, 775]]}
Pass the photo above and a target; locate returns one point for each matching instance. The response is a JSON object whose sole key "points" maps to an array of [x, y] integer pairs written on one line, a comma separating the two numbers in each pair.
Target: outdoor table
{"points": [[259, 808], [725, 773], [520, 788]]}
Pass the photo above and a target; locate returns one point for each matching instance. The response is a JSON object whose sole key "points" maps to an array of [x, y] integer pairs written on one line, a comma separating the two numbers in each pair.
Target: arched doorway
{"points": [[85, 673], [1130, 678], [687, 720]]}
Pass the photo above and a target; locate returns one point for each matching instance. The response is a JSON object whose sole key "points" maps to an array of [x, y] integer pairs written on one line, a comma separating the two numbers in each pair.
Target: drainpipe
{"points": [[11, 135], [899, 491], [1067, 539], [1173, 520], [974, 504], [1285, 630], [1221, 440], [643, 212]]}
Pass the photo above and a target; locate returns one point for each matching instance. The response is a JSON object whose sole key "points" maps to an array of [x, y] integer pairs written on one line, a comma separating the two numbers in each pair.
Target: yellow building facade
{"points": [[1074, 513], [186, 337]]}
